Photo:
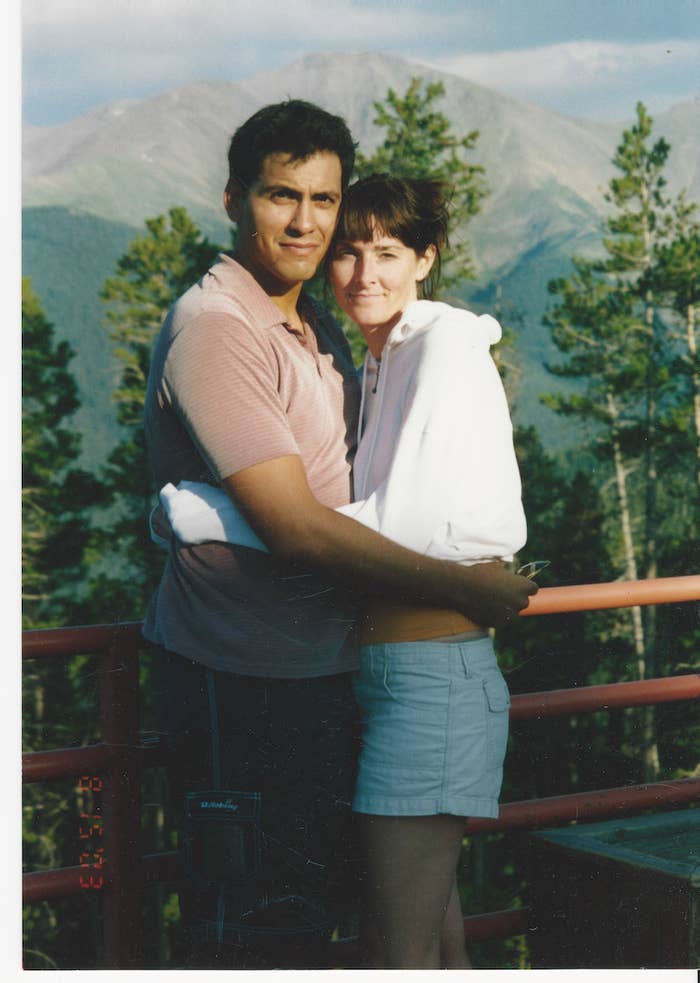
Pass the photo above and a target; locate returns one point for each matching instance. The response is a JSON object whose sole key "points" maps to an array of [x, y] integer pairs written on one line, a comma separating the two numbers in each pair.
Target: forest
{"points": [[624, 505]]}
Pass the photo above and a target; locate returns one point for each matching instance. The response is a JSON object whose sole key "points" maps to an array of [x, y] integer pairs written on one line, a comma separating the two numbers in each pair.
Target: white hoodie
{"points": [[435, 469]]}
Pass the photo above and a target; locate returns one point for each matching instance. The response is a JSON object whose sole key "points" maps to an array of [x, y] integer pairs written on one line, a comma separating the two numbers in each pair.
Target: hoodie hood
{"points": [[421, 314]]}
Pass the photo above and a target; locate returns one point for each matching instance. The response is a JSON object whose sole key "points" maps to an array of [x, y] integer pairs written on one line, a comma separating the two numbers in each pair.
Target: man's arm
{"points": [[278, 503]]}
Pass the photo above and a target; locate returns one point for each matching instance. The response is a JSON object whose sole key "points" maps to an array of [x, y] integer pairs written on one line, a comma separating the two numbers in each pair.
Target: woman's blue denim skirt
{"points": [[434, 729]]}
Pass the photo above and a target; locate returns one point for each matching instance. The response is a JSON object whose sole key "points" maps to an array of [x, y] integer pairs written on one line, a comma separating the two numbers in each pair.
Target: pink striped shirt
{"points": [[231, 385]]}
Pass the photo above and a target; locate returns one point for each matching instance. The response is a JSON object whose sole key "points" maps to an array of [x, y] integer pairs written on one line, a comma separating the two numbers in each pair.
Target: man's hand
{"points": [[492, 594]]}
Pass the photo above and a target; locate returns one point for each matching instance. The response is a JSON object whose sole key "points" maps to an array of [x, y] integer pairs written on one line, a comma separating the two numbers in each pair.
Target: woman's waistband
{"points": [[383, 623]]}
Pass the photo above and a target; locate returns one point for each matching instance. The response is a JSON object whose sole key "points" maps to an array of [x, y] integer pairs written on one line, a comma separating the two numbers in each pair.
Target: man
{"points": [[252, 388]]}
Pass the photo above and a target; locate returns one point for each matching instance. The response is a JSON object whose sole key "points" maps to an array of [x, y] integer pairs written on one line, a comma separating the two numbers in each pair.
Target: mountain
{"points": [[133, 159]]}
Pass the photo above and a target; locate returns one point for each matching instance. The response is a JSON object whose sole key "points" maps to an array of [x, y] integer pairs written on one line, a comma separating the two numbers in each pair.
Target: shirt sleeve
{"points": [[223, 382], [452, 488]]}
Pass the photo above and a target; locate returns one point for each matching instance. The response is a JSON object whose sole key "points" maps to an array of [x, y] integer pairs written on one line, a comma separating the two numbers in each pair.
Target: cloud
{"points": [[78, 53], [597, 74], [307, 23], [474, 23]]}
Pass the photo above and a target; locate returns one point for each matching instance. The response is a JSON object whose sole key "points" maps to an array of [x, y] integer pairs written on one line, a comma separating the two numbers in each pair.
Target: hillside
{"points": [[68, 255]]}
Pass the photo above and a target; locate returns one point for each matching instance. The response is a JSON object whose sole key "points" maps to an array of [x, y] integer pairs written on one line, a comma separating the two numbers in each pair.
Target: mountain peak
{"points": [[128, 160]]}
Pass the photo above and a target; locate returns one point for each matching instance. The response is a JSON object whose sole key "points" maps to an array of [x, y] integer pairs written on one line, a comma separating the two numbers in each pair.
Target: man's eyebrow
{"points": [[322, 193], [267, 188]]}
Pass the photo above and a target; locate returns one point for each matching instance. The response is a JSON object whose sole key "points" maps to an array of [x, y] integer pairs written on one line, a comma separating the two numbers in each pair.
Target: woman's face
{"points": [[375, 281]]}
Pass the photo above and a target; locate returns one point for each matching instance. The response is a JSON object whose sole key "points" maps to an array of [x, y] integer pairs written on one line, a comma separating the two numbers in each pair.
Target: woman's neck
{"points": [[376, 335]]}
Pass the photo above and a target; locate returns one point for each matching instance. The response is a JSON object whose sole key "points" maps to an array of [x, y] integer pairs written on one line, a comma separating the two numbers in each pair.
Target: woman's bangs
{"points": [[358, 224]]}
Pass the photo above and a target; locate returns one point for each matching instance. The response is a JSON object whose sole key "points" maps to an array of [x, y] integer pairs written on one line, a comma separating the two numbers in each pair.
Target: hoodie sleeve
{"points": [[199, 513], [452, 488]]}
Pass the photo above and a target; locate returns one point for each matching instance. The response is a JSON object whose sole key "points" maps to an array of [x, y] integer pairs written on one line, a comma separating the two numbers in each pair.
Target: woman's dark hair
{"points": [[295, 127], [414, 210]]}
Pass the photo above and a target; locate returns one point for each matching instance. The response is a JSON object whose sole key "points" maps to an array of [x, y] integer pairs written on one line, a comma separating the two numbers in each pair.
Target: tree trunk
{"points": [[694, 382], [650, 750], [627, 538], [649, 747]]}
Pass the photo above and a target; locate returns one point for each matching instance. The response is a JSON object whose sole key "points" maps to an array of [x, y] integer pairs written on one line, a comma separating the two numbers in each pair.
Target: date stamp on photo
{"points": [[90, 832]]}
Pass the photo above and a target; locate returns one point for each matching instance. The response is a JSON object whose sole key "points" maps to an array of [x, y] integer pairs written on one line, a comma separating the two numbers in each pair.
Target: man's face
{"points": [[287, 218]]}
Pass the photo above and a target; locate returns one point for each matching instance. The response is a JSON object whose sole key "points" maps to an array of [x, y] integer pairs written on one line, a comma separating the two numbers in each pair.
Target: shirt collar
{"points": [[236, 280]]}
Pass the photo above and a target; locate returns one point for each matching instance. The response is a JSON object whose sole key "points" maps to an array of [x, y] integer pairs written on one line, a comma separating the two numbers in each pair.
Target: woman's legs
{"points": [[453, 951], [411, 863]]}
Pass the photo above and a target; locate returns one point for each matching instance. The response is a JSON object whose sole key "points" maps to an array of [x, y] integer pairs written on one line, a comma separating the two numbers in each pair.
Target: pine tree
{"points": [[637, 227], [676, 278], [609, 325], [55, 494], [419, 142], [56, 498]]}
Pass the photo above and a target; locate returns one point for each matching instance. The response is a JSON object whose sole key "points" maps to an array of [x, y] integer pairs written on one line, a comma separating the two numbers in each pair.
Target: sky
{"points": [[589, 58]]}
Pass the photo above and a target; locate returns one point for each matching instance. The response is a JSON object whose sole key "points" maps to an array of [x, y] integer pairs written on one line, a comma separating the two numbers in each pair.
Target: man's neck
{"points": [[283, 295], [288, 304]]}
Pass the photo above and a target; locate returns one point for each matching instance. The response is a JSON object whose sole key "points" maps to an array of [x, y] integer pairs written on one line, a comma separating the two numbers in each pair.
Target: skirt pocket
{"points": [[498, 707], [404, 713], [417, 688]]}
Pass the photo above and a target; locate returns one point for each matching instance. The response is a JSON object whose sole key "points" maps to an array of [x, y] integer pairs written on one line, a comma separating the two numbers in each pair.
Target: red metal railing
{"points": [[119, 758], [617, 594]]}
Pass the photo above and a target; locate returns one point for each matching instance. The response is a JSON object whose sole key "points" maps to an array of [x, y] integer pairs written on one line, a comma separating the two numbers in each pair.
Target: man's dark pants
{"points": [[291, 747]]}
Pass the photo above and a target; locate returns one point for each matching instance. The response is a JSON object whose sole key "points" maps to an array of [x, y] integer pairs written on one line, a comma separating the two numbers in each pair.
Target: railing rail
{"points": [[120, 757], [583, 806], [90, 639], [609, 696], [617, 594], [80, 640], [39, 766]]}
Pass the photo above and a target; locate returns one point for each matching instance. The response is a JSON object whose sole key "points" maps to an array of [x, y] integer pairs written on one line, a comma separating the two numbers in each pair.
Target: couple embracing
{"points": [[335, 558]]}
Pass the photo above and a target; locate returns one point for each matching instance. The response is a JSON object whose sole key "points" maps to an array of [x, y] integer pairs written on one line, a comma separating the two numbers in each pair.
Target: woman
{"points": [[435, 470]]}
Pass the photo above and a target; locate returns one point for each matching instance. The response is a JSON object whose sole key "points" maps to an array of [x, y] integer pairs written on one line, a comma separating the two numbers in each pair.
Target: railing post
{"points": [[119, 699]]}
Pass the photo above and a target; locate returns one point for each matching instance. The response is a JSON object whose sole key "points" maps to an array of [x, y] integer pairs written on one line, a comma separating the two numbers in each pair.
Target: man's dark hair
{"points": [[295, 127]]}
